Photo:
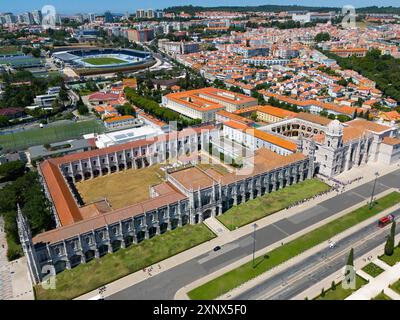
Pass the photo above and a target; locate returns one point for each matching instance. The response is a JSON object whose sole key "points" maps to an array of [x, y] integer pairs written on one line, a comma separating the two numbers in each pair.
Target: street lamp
{"points": [[373, 189], [254, 242]]}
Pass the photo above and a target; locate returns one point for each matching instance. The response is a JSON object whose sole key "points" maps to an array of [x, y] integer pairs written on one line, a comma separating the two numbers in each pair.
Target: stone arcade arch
{"points": [[60, 266], [116, 245], [75, 260], [103, 250], [89, 255], [207, 214]]}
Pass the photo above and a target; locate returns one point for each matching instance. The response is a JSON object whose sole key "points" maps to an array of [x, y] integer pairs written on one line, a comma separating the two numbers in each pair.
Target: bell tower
{"points": [[334, 135]]}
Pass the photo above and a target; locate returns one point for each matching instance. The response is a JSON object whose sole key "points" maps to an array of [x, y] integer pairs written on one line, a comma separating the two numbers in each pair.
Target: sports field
{"points": [[122, 188], [103, 61], [9, 50], [67, 130]]}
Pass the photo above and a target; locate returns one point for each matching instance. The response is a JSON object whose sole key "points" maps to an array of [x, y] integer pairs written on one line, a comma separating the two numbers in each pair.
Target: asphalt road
{"points": [[301, 276], [164, 286]]}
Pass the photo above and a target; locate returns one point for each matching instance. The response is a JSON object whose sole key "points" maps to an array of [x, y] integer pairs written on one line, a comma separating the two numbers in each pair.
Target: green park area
{"points": [[396, 286], [102, 61], [49, 134], [393, 259], [5, 50], [338, 292], [98, 272], [260, 207], [372, 269], [248, 271], [382, 296]]}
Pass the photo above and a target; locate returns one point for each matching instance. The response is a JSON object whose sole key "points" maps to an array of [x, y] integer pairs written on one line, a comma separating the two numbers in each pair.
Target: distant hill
{"points": [[276, 8]]}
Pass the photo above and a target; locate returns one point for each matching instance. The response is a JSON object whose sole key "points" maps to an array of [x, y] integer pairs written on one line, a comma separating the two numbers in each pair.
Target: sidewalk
{"points": [[189, 254], [182, 293], [5, 278], [381, 282], [218, 228], [359, 263], [21, 281]]}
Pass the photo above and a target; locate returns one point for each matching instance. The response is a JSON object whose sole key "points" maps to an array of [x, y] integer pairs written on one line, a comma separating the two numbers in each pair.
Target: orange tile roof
{"points": [[391, 141], [233, 116], [313, 118], [277, 112], [120, 118], [67, 209], [273, 139], [367, 125], [192, 178]]}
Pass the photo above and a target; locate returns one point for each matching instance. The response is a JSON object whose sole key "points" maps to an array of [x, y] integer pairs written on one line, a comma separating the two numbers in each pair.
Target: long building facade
{"points": [[283, 153], [188, 195]]}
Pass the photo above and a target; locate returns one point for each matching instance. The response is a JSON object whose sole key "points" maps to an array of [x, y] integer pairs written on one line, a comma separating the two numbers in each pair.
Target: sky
{"points": [[121, 6]]}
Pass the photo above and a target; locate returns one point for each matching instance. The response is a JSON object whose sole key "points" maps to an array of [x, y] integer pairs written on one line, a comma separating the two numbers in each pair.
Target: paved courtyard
{"points": [[5, 275]]}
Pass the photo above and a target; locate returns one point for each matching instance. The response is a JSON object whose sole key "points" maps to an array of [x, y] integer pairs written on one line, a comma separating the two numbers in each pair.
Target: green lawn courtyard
{"points": [[49, 134], [382, 296], [372, 269], [98, 272], [102, 61], [393, 259], [339, 293], [246, 272], [396, 286], [260, 207]]}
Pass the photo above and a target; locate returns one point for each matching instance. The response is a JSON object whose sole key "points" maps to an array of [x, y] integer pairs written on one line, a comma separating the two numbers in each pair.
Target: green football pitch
{"points": [[102, 61], [24, 139]]}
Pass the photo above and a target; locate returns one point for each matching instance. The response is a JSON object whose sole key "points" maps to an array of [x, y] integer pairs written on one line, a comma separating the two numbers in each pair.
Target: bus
{"points": [[385, 220]]}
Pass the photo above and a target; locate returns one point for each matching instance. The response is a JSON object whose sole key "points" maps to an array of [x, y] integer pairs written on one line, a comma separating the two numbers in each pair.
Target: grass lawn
{"points": [[372, 269], [9, 50], [49, 134], [339, 293], [246, 272], [393, 259], [260, 207], [382, 296], [85, 92], [121, 188], [96, 273], [396, 286], [103, 61]]}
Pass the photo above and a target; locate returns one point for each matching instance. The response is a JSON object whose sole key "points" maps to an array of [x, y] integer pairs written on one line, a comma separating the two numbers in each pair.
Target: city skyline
{"points": [[99, 6]]}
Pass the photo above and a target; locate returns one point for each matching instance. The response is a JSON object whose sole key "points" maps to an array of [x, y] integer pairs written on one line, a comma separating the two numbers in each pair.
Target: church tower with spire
{"points": [[25, 237]]}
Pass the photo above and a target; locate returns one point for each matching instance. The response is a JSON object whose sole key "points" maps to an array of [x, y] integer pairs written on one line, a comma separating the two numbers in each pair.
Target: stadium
{"points": [[91, 61]]}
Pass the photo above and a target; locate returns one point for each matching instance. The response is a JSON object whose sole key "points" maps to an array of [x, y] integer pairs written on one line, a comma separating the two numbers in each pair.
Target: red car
{"points": [[385, 220]]}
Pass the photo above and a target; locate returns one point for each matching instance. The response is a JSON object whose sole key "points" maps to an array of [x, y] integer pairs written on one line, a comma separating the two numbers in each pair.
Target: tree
{"points": [[11, 170], [322, 36], [63, 95], [333, 286], [350, 258], [4, 121], [82, 108], [389, 246], [343, 118], [254, 116], [126, 109]]}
